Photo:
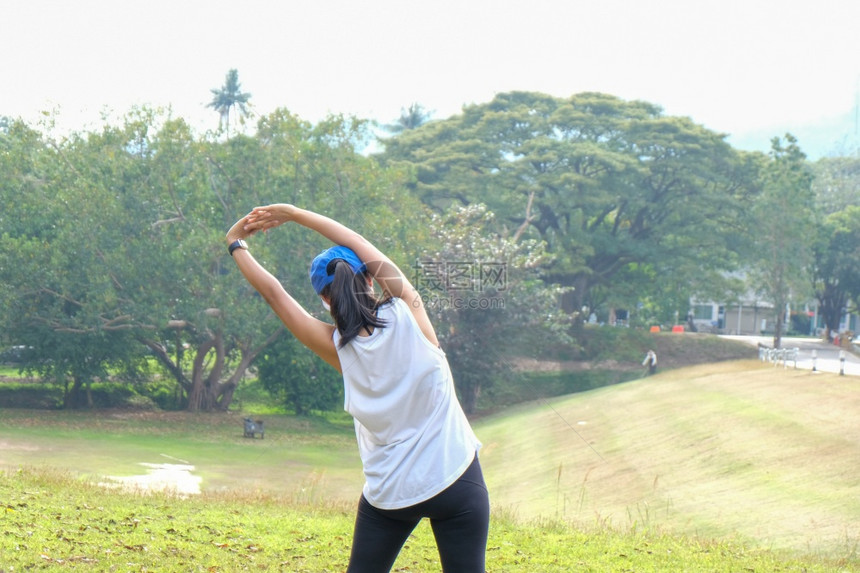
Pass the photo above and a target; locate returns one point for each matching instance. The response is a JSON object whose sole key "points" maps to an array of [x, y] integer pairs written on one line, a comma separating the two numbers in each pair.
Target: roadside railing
{"points": [[777, 355]]}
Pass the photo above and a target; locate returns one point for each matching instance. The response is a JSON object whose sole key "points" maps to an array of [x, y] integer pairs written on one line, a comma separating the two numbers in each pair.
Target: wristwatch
{"points": [[237, 244]]}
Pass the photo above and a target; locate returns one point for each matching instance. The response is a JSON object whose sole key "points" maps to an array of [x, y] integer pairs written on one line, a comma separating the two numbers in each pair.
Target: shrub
{"points": [[30, 395]]}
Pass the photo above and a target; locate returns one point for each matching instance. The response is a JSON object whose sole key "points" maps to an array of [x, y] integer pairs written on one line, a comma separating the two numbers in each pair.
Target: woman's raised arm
{"points": [[312, 332], [390, 278]]}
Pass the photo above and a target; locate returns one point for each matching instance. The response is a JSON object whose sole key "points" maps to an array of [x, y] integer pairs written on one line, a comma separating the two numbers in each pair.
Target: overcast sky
{"points": [[736, 66]]}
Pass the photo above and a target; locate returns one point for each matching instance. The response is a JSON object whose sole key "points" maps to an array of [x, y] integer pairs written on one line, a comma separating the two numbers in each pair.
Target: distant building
{"points": [[756, 317], [746, 317]]}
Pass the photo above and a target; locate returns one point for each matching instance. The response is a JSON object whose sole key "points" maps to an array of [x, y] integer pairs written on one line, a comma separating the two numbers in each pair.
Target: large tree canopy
{"points": [[112, 248], [114, 241], [612, 186]]}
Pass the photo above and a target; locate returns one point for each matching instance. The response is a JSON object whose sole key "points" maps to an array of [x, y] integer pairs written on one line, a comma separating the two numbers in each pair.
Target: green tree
{"points": [[609, 185], [319, 167], [191, 195], [228, 97], [836, 266], [115, 241], [299, 378], [782, 218], [122, 244], [63, 300], [315, 166], [837, 182], [410, 118], [487, 299]]}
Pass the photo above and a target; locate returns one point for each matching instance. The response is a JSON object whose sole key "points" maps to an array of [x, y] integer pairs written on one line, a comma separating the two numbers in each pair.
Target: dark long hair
{"points": [[353, 302]]}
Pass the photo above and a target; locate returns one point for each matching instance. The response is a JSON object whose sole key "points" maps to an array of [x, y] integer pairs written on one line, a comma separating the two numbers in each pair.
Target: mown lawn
{"points": [[722, 467], [53, 521]]}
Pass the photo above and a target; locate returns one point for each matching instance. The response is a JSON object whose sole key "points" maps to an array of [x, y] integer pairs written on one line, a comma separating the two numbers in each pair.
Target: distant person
{"points": [[691, 323], [650, 361], [419, 453]]}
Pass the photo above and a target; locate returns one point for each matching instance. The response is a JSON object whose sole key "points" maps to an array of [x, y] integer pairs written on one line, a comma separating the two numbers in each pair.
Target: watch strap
{"points": [[237, 244]]}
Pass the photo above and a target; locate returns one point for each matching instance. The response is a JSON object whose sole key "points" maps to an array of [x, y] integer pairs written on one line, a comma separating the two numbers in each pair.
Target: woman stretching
{"points": [[417, 449]]}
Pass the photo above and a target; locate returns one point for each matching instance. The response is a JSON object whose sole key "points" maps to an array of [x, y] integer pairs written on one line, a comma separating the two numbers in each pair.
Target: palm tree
{"points": [[227, 97], [410, 118]]}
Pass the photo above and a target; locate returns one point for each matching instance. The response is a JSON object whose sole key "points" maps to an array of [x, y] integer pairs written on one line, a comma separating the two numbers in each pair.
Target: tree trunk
{"points": [[70, 399], [470, 398], [777, 333], [226, 389], [209, 393], [204, 389], [183, 384], [196, 396], [831, 305], [226, 397], [573, 301], [77, 397]]}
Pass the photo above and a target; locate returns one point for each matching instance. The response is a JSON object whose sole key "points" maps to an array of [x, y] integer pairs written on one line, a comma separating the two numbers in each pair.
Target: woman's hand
{"points": [[239, 230], [260, 219], [269, 217]]}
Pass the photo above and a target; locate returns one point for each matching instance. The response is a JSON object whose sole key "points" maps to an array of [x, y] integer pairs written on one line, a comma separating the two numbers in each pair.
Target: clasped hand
{"points": [[260, 219]]}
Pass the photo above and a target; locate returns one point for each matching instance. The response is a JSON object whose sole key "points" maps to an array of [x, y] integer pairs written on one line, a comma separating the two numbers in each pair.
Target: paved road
{"points": [[827, 354]]}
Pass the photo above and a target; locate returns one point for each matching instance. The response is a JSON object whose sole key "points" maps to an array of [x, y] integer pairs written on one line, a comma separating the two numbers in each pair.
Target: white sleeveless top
{"points": [[413, 437]]}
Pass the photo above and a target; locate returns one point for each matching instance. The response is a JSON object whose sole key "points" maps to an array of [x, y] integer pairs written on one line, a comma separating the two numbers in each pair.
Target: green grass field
{"points": [[724, 467], [731, 450]]}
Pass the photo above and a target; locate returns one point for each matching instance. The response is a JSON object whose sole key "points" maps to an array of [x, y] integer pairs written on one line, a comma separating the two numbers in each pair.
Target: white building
{"points": [[746, 317], [756, 317]]}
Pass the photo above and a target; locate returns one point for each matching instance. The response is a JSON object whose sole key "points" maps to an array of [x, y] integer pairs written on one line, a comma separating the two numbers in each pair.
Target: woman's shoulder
{"points": [[395, 308], [391, 301], [391, 304]]}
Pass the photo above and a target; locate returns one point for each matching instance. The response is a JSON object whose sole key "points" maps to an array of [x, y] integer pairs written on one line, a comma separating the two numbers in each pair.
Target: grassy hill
{"points": [[602, 357], [737, 450]]}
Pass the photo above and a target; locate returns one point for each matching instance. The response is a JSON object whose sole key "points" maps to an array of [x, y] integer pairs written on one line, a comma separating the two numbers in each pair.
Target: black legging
{"points": [[459, 516]]}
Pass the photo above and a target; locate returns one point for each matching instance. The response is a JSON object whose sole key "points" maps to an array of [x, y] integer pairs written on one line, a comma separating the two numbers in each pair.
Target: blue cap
{"points": [[320, 278]]}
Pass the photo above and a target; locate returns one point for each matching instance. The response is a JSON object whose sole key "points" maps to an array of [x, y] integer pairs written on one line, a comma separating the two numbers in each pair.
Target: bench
{"points": [[253, 427]]}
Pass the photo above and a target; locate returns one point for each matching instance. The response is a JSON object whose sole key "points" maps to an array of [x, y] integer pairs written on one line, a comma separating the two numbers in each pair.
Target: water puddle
{"points": [[170, 478]]}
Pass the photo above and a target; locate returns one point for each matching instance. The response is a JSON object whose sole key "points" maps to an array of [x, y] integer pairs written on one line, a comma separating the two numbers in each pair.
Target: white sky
{"points": [[736, 66]]}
